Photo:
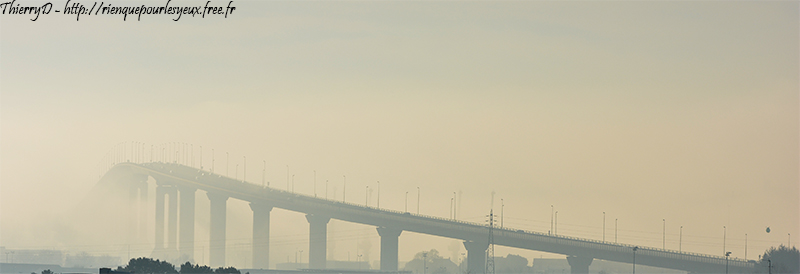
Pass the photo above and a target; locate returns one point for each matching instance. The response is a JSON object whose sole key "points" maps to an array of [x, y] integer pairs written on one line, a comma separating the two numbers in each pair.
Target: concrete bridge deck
{"points": [[390, 224]]}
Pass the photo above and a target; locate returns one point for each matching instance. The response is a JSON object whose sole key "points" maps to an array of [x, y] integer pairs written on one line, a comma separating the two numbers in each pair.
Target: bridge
{"points": [[181, 182]]}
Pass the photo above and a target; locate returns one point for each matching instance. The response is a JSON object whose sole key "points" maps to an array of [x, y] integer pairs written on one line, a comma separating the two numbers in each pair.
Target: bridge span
{"points": [[181, 182]]}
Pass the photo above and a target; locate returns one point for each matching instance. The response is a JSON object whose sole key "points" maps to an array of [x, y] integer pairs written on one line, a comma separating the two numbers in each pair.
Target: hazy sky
{"points": [[648, 111]]}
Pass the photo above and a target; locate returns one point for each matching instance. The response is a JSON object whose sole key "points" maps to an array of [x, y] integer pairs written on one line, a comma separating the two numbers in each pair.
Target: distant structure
{"points": [[176, 178], [490, 250]]}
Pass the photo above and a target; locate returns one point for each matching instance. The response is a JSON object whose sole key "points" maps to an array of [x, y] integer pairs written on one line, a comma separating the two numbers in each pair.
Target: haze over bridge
{"points": [[181, 183]]}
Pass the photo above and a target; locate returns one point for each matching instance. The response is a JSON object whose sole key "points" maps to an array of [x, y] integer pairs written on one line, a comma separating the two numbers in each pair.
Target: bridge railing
{"points": [[448, 223]]}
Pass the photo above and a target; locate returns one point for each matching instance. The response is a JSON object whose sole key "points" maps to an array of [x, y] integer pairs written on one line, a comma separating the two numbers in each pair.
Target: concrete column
{"points": [[216, 252], [579, 265], [133, 207], [389, 247], [318, 236], [476, 256], [187, 223], [172, 232], [159, 239], [143, 211], [261, 214], [137, 206]]}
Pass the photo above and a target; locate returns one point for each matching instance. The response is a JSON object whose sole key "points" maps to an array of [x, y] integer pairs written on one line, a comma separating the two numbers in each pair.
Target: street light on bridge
{"points": [[417, 200], [406, 208], [727, 254], [634, 258], [379, 194], [344, 190]]}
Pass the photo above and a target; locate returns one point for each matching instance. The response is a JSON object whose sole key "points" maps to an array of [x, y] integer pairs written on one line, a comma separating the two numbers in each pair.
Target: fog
{"points": [[648, 116]]}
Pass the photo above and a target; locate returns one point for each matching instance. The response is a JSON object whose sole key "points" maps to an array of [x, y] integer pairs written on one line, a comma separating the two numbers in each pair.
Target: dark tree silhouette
{"points": [[784, 260], [47, 271], [189, 268], [229, 269], [148, 266]]}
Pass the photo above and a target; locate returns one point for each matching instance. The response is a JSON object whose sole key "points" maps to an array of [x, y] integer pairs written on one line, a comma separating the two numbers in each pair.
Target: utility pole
{"points": [[490, 250]]}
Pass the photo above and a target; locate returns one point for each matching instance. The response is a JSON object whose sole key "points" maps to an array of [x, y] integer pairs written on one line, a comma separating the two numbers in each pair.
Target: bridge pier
{"points": [[137, 207], [159, 237], [216, 250], [579, 265], [261, 214], [389, 245], [318, 236], [187, 223], [172, 233], [476, 256], [143, 209]]}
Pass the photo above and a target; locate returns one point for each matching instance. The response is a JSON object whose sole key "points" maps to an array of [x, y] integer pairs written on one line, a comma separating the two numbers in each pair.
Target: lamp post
{"points": [[417, 200], [451, 208], [664, 234], [745, 246], [344, 190], [454, 205], [292, 183], [634, 258], [604, 226], [555, 226], [615, 229], [366, 197], [379, 195], [724, 236], [315, 184], [552, 212], [502, 206], [212, 160], [680, 240], [424, 262], [406, 201], [727, 254], [264, 174]]}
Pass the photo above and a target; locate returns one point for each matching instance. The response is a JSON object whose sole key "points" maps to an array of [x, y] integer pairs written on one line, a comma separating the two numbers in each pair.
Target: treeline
{"points": [[150, 266]]}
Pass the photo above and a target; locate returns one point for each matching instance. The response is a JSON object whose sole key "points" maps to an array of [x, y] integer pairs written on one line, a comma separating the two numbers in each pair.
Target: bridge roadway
{"points": [[580, 252]]}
